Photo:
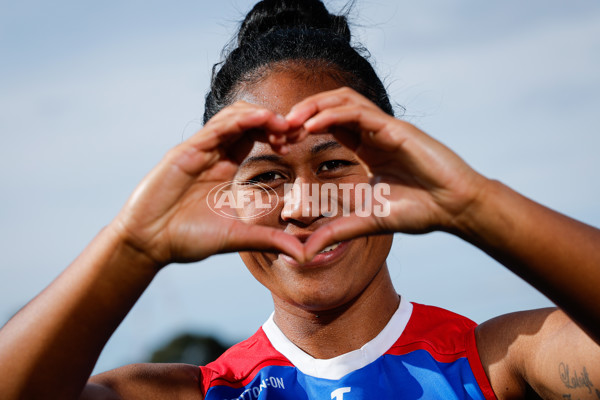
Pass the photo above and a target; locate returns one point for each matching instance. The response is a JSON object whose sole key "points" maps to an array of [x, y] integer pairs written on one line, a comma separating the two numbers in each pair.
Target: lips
{"points": [[330, 248], [328, 255]]}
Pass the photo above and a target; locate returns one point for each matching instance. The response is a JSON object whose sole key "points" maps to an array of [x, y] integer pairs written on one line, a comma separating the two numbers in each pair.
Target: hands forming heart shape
{"points": [[168, 219]]}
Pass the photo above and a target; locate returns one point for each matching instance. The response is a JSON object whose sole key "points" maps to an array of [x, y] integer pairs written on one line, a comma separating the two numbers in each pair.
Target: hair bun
{"points": [[270, 15]]}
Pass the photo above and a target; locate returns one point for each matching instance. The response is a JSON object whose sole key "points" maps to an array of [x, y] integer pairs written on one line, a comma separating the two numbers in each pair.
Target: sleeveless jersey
{"points": [[424, 352]]}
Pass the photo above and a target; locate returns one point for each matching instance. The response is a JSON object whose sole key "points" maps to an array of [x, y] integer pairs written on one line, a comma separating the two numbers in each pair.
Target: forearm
{"points": [[554, 253], [49, 348]]}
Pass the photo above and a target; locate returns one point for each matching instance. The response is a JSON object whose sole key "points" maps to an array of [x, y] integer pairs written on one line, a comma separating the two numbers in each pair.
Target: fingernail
{"points": [[308, 124], [281, 139], [277, 139], [290, 114]]}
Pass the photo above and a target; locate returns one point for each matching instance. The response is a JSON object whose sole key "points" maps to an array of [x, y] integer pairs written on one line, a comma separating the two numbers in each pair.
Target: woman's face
{"points": [[335, 277]]}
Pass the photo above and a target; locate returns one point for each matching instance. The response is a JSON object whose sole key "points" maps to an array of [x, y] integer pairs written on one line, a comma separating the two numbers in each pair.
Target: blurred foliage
{"points": [[189, 349]]}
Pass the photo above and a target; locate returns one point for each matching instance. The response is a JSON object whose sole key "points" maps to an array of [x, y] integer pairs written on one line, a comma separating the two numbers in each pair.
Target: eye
{"points": [[333, 165], [266, 178]]}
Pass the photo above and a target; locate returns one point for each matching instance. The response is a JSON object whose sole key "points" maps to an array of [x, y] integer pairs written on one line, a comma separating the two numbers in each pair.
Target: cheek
{"points": [[262, 269], [257, 264], [382, 244], [263, 205], [257, 205], [343, 198]]}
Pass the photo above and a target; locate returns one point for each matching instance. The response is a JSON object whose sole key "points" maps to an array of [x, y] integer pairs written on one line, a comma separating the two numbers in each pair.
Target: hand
{"points": [[167, 217], [431, 187]]}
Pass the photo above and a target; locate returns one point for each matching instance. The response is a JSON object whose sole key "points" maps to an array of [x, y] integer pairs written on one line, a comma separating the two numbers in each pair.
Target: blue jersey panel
{"points": [[415, 375], [273, 383]]}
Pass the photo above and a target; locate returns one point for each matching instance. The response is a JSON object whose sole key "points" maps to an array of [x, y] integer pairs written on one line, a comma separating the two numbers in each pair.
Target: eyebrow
{"points": [[332, 144], [265, 157]]}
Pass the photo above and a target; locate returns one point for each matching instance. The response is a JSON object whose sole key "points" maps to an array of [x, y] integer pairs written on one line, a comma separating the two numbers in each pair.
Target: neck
{"points": [[330, 333]]}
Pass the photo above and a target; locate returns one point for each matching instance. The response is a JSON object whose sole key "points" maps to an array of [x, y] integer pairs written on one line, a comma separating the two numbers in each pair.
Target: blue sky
{"points": [[92, 95]]}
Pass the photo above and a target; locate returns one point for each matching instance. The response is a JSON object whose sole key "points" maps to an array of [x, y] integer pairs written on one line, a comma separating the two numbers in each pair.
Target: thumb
{"points": [[244, 237], [341, 229]]}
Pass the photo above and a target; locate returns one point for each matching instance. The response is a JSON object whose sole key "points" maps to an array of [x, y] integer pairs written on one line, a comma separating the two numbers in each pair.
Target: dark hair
{"points": [[290, 33]]}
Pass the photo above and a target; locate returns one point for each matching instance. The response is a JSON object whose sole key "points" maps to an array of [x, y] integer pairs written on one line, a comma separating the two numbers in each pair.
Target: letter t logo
{"points": [[338, 394]]}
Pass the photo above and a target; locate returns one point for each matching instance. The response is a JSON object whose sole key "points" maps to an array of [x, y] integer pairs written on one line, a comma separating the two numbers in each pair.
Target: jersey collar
{"points": [[337, 367]]}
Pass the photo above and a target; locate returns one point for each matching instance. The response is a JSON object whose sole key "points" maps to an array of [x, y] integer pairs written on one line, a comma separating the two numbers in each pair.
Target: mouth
{"points": [[330, 248], [328, 255]]}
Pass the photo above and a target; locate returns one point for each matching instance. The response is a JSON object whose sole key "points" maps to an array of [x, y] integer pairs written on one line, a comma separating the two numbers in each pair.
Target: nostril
{"points": [[301, 201]]}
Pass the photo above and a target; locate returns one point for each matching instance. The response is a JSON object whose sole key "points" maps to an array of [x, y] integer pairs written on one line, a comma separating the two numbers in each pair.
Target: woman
{"points": [[294, 105]]}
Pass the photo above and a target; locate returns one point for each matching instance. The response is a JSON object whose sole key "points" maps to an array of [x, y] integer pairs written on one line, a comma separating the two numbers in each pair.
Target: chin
{"points": [[333, 280], [317, 291], [316, 301]]}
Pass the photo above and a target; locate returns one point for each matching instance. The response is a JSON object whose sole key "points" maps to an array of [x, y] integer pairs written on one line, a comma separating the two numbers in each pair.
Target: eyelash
{"points": [[337, 165], [272, 176], [265, 177]]}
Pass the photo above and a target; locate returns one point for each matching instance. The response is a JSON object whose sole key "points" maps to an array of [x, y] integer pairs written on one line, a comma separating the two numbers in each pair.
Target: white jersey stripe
{"points": [[338, 367]]}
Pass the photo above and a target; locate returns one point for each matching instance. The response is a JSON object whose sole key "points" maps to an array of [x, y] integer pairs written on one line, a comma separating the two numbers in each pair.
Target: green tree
{"points": [[190, 349]]}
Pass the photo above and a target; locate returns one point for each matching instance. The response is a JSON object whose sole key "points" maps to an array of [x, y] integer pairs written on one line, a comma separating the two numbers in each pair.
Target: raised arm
{"points": [[557, 254], [433, 189], [48, 350], [540, 352]]}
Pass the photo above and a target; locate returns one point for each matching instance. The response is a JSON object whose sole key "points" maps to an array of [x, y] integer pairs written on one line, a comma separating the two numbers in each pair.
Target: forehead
{"points": [[280, 90]]}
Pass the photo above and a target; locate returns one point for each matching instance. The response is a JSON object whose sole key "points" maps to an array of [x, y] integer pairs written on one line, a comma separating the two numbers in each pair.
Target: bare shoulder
{"points": [[539, 354], [145, 381]]}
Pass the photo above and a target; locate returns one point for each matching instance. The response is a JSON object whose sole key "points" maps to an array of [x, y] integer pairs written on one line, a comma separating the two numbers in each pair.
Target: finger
{"points": [[227, 128], [366, 119], [244, 237], [265, 118], [275, 121], [185, 162], [376, 128], [341, 229], [296, 135], [229, 125], [277, 140], [314, 104], [283, 149]]}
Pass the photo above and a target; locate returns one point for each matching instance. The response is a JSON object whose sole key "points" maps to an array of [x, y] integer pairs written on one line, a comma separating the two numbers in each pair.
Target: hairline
{"points": [[302, 67]]}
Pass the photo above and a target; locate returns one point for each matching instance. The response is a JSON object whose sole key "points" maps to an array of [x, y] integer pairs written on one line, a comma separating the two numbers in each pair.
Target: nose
{"points": [[301, 202]]}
